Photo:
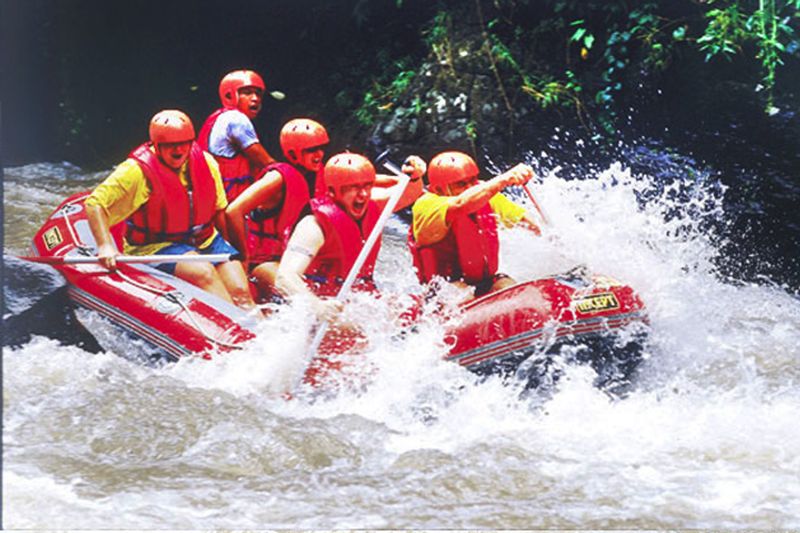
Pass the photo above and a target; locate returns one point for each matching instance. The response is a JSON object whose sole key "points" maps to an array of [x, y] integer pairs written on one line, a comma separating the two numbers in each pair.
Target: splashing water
{"points": [[707, 439]]}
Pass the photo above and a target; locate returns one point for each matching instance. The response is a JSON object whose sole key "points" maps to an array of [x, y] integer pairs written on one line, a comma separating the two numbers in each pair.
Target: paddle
{"points": [[166, 258], [546, 222], [344, 291], [545, 219]]}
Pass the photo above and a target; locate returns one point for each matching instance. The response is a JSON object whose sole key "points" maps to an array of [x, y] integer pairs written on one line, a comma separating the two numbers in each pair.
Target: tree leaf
{"points": [[580, 32]]}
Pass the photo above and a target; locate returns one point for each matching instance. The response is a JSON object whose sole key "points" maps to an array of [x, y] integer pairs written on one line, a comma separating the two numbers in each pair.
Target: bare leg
{"points": [[265, 276], [501, 282], [234, 280], [469, 290], [204, 276]]}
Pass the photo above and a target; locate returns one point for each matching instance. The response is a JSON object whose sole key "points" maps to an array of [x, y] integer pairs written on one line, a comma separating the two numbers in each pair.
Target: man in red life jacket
{"points": [[229, 135], [326, 243], [170, 192], [262, 218], [454, 224]]}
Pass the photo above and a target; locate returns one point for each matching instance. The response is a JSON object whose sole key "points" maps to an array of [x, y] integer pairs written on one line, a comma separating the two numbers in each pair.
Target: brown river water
{"points": [[707, 439]]}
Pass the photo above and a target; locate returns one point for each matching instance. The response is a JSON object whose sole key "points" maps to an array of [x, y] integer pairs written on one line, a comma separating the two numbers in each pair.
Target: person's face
{"points": [[354, 199], [249, 101], [457, 187], [311, 158], [174, 155]]}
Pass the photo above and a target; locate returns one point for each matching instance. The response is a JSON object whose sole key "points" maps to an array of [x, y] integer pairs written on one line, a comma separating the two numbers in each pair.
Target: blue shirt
{"points": [[231, 134]]}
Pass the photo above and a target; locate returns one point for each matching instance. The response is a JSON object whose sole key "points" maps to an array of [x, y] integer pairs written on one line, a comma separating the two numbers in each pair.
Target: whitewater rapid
{"points": [[707, 439]]}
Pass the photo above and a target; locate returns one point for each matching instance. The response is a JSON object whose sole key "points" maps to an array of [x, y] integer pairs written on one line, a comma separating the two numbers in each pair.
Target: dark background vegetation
{"points": [[701, 78], [83, 77]]}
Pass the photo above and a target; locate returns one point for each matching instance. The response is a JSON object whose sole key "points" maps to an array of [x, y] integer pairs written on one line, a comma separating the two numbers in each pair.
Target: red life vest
{"points": [[320, 189], [269, 230], [344, 239], [236, 171], [172, 213], [468, 252]]}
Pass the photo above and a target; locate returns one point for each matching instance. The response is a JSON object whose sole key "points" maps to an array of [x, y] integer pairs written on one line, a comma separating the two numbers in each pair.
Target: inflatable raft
{"points": [[168, 316], [519, 331], [532, 328]]}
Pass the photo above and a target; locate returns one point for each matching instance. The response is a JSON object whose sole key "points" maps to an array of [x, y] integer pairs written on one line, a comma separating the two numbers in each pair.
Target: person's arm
{"points": [[383, 181], [240, 135], [303, 246], [512, 214], [530, 224], [98, 223], [264, 192], [385, 184], [258, 156], [220, 198], [220, 223], [479, 194], [114, 200]]}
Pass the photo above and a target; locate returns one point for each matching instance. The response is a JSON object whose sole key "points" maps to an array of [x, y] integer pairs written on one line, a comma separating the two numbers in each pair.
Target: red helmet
{"points": [[301, 133], [449, 167], [233, 81], [348, 169], [171, 126]]}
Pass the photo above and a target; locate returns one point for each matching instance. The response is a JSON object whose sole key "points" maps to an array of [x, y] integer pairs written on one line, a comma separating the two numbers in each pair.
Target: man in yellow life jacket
{"points": [[325, 244], [170, 194], [453, 234], [229, 135]]}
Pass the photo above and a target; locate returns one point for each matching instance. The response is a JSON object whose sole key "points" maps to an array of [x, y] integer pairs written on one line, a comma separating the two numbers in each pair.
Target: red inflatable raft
{"points": [[173, 317], [494, 334], [523, 329]]}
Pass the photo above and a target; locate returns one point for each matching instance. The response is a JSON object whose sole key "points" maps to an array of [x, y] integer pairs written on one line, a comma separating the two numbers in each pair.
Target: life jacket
{"points": [[268, 230], [236, 172], [173, 213], [320, 189], [344, 239], [468, 252]]}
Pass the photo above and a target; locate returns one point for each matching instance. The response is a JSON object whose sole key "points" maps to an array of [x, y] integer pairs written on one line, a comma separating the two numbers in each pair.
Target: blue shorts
{"points": [[217, 246]]}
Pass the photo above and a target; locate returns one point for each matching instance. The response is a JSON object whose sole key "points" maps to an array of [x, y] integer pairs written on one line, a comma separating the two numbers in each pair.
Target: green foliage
{"points": [[725, 32], [472, 130], [638, 30], [767, 26], [583, 54], [582, 35], [772, 30], [647, 40], [544, 88], [384, 92], [367, 111], [549, 92], [437, 37]]}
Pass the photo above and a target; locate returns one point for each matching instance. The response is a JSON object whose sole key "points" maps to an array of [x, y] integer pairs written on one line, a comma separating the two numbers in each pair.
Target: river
{"points": [[708, 438]]}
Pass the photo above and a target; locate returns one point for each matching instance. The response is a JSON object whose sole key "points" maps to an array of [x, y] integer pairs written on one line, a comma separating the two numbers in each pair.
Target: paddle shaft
{"points": [[365, 251], [165, 258], [539, 210]]}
